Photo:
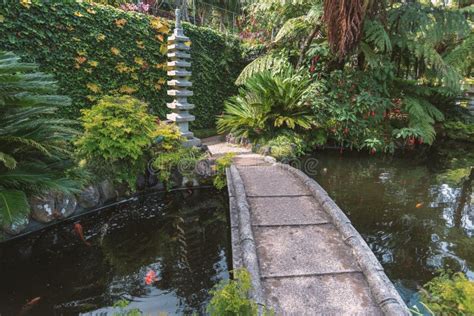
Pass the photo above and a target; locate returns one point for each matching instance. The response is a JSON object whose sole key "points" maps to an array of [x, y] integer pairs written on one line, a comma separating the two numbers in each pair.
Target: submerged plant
{"points": [[34, 142]]}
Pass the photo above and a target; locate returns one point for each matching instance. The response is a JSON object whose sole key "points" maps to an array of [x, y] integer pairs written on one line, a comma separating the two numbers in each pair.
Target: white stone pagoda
{"points": [[178, 71]]}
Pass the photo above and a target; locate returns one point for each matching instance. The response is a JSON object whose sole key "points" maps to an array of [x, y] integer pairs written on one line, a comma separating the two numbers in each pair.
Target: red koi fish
{"points": [[29, 305], [150, 277], [80, 232]]}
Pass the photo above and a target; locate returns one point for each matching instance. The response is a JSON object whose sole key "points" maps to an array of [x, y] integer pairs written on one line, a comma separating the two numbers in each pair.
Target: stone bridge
{"points": [[303, 253]]}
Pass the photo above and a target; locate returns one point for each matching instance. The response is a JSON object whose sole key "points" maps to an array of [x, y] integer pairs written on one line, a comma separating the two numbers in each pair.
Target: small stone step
{"points": [[180, 106], [180, 117], [179, 64], [180, 93], [179, 73], [180, 83]]}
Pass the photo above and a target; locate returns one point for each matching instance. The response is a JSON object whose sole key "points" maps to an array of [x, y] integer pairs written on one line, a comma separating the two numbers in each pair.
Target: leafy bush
{"points": [[459, 131], [183, 160], [231, 297], [96, 50], [286, 146], [449, 294], [367, 110], [34, 151], [267, 105], [117, 133], [222, 163]]}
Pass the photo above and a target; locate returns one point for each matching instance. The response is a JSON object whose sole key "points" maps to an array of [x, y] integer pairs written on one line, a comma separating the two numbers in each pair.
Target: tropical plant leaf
{"points": [[13, 205]]}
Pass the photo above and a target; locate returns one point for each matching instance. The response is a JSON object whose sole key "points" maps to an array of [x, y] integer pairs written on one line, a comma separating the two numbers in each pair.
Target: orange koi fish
{"points": [[150, 277], [80, 232], [419, 205], [29, 305]]}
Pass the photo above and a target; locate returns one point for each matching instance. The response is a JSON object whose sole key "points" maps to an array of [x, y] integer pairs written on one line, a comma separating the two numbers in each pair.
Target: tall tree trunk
{"points": [[306, 44], [344, 20]]}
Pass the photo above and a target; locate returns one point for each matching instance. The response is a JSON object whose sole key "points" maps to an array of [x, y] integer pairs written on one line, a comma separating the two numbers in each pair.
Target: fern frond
{"points": [[292, 29], [422, 116], [461, 57], [270, 61], [375, 34]]}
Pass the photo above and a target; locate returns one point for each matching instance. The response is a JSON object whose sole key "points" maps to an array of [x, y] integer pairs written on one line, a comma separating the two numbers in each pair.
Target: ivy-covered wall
{"points": [[96, 50]]}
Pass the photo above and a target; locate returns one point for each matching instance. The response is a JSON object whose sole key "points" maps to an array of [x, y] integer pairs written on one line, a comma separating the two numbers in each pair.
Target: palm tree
{"points": [[33, 141]]}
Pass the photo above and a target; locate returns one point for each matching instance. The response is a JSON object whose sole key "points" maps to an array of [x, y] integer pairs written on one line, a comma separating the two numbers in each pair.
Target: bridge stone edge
{"points": [[380, 285]]}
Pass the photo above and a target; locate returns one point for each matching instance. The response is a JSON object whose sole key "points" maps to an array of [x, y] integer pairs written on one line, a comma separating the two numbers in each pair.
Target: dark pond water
{"points": [[182, 236], [416, 213]]}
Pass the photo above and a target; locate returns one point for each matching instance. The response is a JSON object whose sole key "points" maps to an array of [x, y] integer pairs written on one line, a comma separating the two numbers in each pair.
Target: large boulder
{"points": [[17, 226], [66, 205], [107, 191], [89, 197], [43, 207]]}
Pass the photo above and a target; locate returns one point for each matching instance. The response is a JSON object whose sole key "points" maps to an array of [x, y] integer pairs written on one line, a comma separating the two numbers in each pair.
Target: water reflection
{"points": [[182, 236], [416, 215]]}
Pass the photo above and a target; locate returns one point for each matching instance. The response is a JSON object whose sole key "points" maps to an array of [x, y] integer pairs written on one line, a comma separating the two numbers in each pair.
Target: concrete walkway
{"points": [[304, 256]]}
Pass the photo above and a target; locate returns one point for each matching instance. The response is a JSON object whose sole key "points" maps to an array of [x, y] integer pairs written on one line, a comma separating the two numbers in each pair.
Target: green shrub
{"points": [[231, 297], [183, 160], [268, 105], [34, 145], [459, 131], [96, 50], [222, 163], [118, 131], [449, 294], [286, 146]]}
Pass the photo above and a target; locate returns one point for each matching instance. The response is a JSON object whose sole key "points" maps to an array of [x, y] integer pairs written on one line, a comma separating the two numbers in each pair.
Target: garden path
{"points": [[304, 255]]}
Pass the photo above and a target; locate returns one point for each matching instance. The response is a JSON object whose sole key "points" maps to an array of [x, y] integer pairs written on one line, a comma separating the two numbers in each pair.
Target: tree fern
{"points": [[421, 35]]}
